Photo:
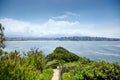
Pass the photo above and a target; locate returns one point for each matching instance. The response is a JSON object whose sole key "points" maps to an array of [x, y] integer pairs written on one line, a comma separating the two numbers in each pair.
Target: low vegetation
{"points": [[30, 66], [33, 65], [62, 54], [81, 68], [94, 70]]}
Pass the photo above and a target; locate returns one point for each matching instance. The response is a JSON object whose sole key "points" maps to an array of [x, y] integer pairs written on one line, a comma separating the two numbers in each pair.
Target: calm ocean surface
{"points": [[95, 50]]}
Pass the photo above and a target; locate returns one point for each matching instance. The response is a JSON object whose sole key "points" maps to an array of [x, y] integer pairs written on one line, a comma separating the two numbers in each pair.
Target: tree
{"points": [[2, 39]]}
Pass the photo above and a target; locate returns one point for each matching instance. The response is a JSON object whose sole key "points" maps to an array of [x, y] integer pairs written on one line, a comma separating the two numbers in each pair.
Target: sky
{"points": [[57, 18]]}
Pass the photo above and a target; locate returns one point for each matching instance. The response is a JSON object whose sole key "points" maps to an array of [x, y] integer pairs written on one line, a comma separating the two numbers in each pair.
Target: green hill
{"points": [[62, 54]]}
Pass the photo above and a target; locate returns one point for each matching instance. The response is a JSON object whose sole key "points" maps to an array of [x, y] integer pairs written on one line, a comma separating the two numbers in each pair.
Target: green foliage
{"points": [[47, 74], [2, 39], [92, 70], [29, 67], [63, 55], [37, 59], [80, 61], [52, 64], [32, 66]]}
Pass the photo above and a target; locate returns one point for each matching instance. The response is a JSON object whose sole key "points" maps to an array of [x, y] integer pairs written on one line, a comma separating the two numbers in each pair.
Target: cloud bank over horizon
{"points": [[54, 27], [59, 18]]}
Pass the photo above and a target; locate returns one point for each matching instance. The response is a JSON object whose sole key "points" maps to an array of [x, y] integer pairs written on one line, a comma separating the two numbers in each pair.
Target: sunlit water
{"points": [[96, 50]]}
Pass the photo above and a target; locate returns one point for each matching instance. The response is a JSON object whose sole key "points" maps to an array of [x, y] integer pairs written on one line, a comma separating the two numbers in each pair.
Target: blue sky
{"points": [[61, 17]]}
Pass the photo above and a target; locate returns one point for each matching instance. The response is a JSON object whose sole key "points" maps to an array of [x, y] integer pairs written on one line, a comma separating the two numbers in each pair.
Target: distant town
{"points": [[74, 38]]}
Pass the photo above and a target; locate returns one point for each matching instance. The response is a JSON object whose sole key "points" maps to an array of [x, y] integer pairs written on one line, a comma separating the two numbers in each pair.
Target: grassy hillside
{"points": [[79, 68], [62, 54], [33, 65]]}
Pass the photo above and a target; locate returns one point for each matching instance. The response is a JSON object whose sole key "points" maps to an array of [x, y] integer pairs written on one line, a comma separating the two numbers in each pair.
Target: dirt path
{"points": [[56, 74]]}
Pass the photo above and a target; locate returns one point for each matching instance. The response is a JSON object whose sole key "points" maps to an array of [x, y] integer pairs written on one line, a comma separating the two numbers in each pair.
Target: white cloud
{"points": [[72, 14], [60, 17], [52, 28], [66, 15]]}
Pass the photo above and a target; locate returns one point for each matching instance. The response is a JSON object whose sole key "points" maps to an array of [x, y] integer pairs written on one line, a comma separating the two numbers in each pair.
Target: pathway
{"points": [[56, 74]]}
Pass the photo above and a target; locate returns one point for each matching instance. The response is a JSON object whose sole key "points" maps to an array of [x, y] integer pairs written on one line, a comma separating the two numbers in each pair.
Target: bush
{"points": [[93, 71], [37, 59], [29, 67], [47, 74], [62, 54]]}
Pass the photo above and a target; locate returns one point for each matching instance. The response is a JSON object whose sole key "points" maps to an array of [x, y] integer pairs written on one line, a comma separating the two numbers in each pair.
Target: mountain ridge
{"points": [[73, 38]]}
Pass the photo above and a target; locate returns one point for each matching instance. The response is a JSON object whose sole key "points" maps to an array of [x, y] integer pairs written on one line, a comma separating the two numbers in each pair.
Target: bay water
{"points": [[94, 50]]}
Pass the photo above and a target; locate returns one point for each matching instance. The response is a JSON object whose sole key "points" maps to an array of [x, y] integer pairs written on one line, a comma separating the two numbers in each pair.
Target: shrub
{"points": [[37, 59], [62, 54], [47, 74], [15, 67], [94, 71]]}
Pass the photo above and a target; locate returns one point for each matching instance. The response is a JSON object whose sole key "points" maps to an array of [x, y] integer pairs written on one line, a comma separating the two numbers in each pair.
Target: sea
{"points": [[94, 50]]}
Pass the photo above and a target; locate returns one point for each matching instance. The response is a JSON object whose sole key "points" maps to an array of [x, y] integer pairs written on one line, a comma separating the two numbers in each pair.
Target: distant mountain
{"points": [[27, 39], [87, 38], [74, 38]]}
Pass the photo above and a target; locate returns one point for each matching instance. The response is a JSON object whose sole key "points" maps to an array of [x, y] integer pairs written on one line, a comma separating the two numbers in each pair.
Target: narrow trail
{"points": [[56, 74]]}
